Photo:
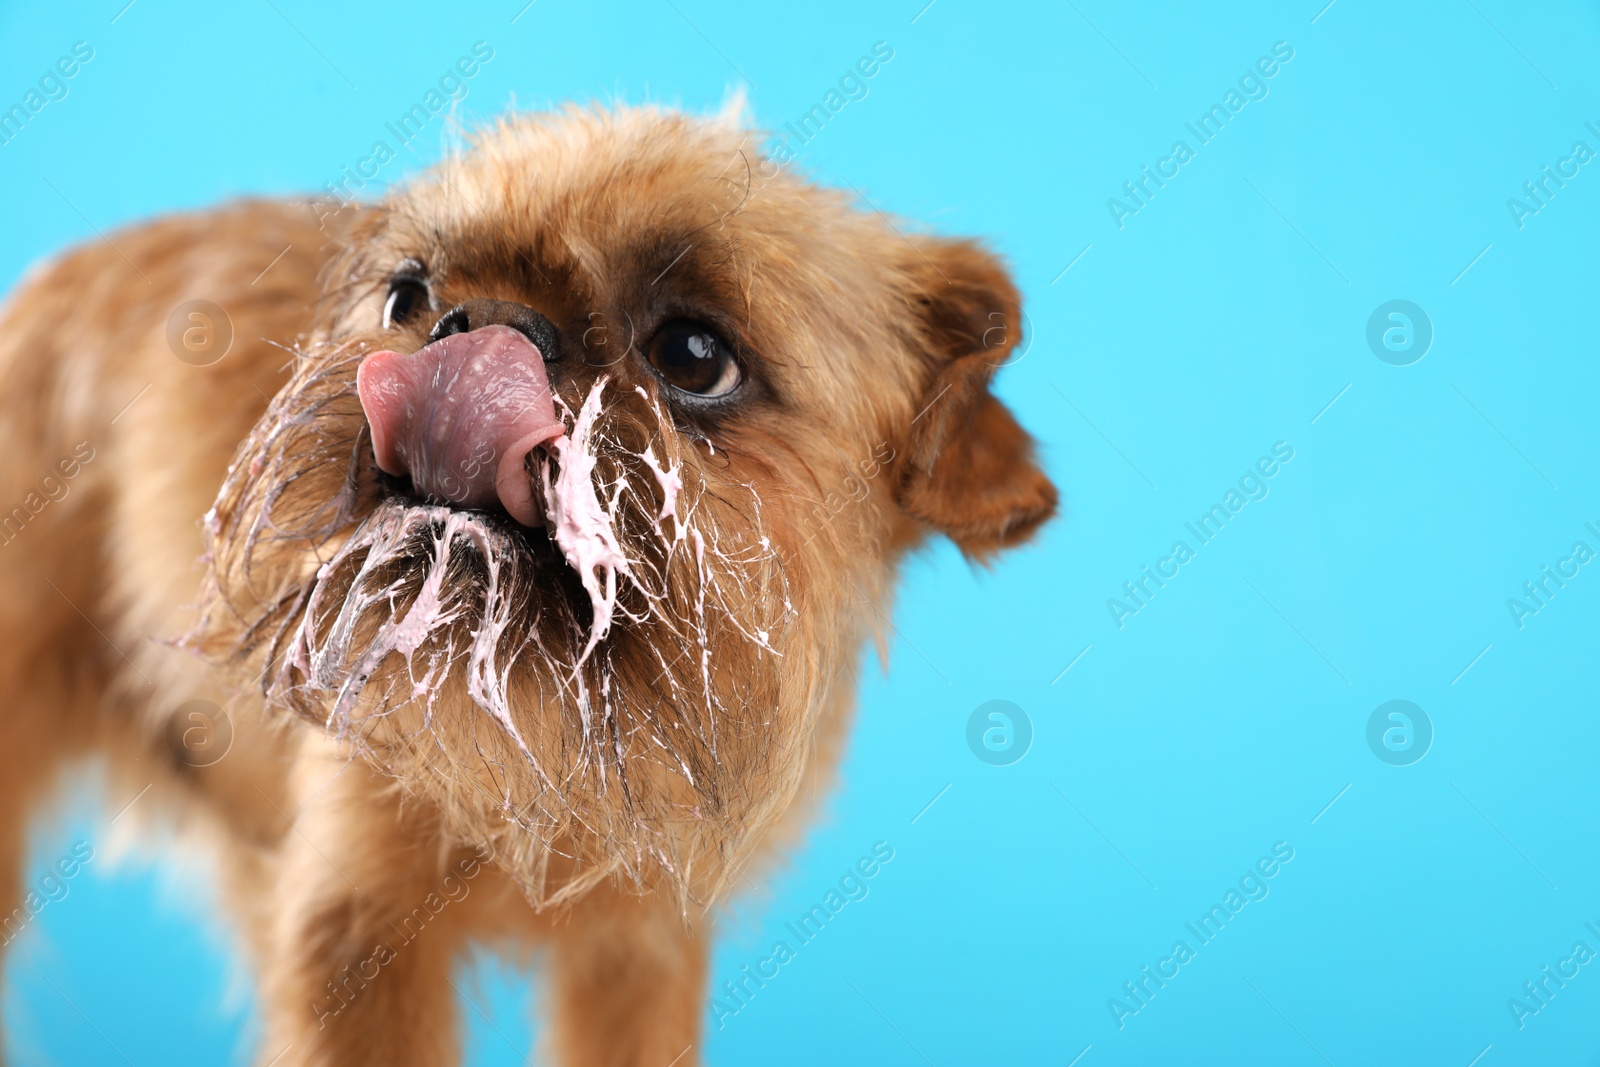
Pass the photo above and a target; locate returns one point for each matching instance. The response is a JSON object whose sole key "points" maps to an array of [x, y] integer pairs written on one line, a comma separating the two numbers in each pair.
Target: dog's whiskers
{"points": [[383, 618]]}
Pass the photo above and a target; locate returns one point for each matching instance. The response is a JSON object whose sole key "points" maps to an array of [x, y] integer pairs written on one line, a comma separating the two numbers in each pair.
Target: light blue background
{"points": [[1224, 317]]}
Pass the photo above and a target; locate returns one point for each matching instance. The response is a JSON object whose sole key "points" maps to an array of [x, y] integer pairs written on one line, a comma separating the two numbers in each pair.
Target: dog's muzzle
{"points": [[461, 415]]}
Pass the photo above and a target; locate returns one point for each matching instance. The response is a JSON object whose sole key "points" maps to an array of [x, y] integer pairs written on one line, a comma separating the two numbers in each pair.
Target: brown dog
{"points": [[558, 494]]}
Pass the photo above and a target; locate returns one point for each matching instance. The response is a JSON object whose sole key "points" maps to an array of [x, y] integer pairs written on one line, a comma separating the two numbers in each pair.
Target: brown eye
{"points": [[408, 296], [690, 356]]}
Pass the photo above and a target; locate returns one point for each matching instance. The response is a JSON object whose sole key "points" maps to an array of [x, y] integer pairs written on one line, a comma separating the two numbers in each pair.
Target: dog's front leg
{"points": [[627, 978], [365, 927]]}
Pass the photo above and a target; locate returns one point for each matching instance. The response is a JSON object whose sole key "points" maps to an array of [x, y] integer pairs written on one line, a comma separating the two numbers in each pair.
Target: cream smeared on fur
{"points": [[585, 528], [415, 603]]}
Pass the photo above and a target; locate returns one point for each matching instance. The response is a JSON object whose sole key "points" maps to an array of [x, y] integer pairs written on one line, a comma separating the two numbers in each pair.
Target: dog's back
{"points": [[130, 369]]}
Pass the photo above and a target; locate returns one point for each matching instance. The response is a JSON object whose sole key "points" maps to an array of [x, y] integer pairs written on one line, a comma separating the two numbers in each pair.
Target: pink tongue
{"points": [[461, 415]]}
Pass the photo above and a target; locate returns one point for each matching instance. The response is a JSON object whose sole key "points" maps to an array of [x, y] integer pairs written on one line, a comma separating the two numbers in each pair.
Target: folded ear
{"points": [[969, 468]]}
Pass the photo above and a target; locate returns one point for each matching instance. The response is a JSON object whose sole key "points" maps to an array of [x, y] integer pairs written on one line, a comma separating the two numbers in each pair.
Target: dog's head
{"points": [[576, 510]]}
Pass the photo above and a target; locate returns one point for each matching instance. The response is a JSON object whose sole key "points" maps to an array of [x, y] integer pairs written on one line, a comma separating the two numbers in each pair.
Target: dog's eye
{"points": [[408, 295], [690, 356]]}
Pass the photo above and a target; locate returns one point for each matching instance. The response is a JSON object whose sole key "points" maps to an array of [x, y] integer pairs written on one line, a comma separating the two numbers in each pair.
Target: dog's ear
{"points": [[968, 469]]}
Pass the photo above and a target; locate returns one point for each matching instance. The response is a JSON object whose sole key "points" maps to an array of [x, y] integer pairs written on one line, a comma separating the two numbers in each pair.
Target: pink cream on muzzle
{"points": [[461, 415]]}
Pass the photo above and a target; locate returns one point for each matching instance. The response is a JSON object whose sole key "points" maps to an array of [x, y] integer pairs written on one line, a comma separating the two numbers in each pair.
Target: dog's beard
{"points": [[621, 718]]}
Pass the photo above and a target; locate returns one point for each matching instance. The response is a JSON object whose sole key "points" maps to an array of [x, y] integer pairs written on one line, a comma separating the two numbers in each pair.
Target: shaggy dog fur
{"points": [[420, 695]]}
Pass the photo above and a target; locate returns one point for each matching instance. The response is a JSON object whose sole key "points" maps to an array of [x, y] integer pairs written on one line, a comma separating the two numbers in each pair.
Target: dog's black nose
{"points": [[476, 314]]}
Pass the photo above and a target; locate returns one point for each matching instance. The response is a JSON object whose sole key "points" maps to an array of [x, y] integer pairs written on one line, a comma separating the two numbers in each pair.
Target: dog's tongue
{"points": [[460, 416]]}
